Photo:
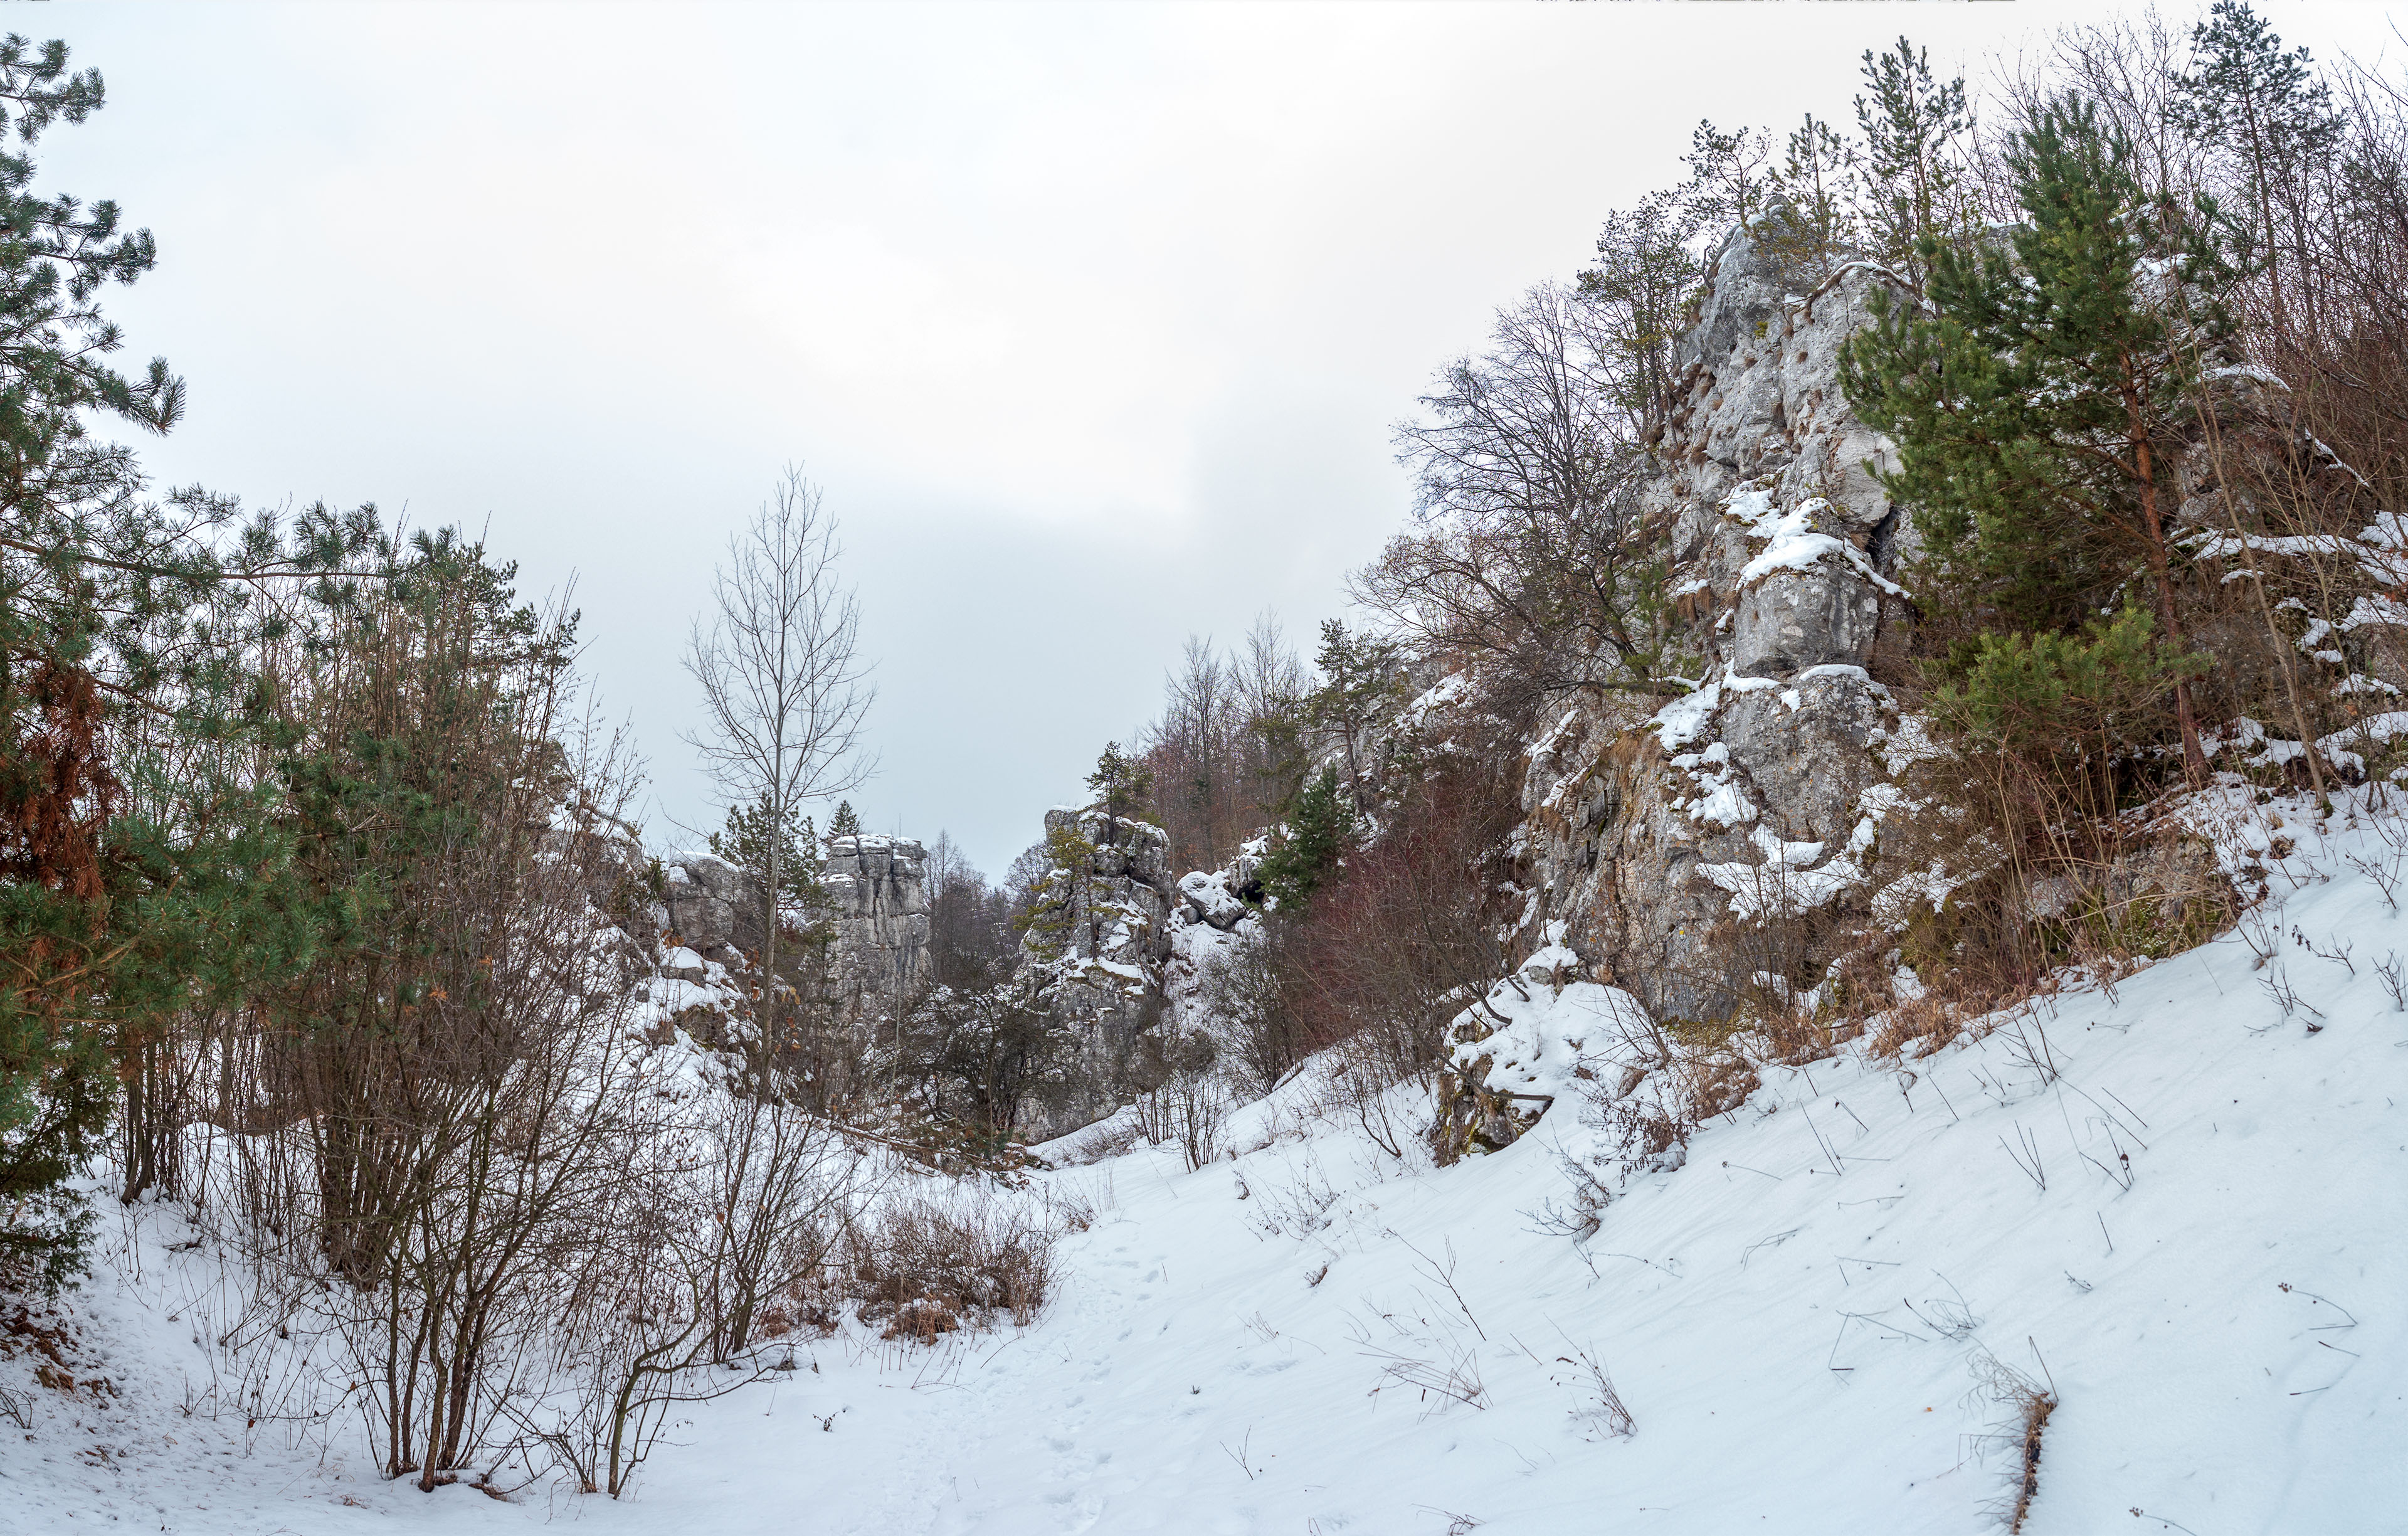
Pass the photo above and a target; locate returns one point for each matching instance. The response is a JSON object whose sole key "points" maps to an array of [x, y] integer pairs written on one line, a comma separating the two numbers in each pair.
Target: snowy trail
{"points": [[2197, 1231]]}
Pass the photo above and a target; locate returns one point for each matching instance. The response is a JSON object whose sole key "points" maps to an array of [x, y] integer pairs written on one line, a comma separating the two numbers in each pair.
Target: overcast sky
{"points": [[1090, 321]]}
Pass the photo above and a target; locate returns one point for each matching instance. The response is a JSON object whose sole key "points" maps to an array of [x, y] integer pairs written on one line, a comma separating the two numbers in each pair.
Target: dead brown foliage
{"points": [[926, 1266], [1387, 953]]}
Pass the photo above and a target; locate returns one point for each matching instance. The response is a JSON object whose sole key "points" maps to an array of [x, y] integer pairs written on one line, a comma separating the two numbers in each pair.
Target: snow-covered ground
{"points": [[2179, 1208]]}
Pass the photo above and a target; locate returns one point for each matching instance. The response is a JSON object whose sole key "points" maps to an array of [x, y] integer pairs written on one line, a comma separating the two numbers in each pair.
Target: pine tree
{"points": [[745, 843], [1729, 175], [1307, 848], [140, 873], [1360, 683], [846, 823], [789, 860], [2032, 697], [2269, 119], [1913, 127], [1821, 179], [1639, 291], [1054, 897], [2039, 402], [1120, 785]]}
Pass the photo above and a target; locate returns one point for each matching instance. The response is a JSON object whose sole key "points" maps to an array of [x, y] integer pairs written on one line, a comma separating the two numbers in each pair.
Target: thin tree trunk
{"points": [[2194, 760], [2274, 638]]}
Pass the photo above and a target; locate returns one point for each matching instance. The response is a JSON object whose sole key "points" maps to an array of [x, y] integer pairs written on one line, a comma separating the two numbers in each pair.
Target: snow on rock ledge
{"points": [[1538, 1039], [1210, 900]]}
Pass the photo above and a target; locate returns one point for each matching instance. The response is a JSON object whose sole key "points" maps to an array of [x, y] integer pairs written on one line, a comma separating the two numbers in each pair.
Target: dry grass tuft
{"points": [[1601, 1414], [2029, 1403], [925, 1267], [803, 1306]]}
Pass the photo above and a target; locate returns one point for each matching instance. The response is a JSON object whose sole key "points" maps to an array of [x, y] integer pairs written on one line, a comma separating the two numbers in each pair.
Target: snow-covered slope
{"points": [[2178, 1208]]}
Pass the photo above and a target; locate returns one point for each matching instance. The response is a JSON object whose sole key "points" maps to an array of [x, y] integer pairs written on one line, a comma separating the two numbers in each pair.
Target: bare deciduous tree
{"points": [[971, 946], [1227, 750], [784, 686], [786, 692], [1532, 551]]}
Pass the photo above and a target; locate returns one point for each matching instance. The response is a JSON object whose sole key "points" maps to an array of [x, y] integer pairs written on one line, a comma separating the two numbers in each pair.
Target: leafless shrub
{"points": [[641, 1328], [1442, 1276], [1072, 1206], [1578, 1214], [1917, 1026], [1430, 1358], [1295, 1208], [1197, 1104], [1359, 1088], [1417, 1347], [1388, 953], [2385, 870], [464, 1198], [1750, 969], [1185, 1108], [2275, 980], [2261, 929], [426, 1118], [1249, 986], [1602, 1413], [925, 1265], [2394, 973], [1651, 1110], [2340, 954], [782, 1185], [1647, 1130]]}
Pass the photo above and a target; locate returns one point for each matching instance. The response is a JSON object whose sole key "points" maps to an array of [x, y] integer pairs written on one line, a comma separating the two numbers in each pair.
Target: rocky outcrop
{"points": [[1761, 793], [1093, 951], [1208, 899], [713, 908], [1759, 837], [1536, 1039], [879, 904], [1106, 906]]}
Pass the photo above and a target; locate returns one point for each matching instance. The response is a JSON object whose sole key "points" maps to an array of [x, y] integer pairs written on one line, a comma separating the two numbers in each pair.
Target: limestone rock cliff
{"points": [[879, 900], [877, 907], [1762, 792], [1093, 949]]}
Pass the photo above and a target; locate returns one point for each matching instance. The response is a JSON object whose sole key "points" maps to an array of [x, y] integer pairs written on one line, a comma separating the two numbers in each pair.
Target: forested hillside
{"points": [[1816, 952]]}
